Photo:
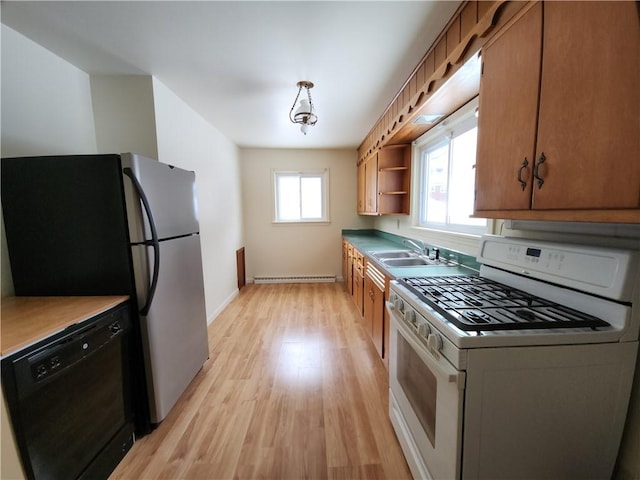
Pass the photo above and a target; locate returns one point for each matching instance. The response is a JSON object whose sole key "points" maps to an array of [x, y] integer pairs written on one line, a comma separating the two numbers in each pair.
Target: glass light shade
{"points": [[304, 128], [304, 110]]}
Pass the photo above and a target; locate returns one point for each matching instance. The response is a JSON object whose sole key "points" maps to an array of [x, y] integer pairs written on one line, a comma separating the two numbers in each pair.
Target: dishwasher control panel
{"points": [[45, 361]]}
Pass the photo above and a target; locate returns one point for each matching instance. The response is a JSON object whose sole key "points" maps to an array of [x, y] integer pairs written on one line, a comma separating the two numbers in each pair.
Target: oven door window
{"points": [[420, 387]]}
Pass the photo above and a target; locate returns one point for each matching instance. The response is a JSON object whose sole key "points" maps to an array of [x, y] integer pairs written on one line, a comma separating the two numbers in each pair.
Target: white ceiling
{"points": [[237, 62]]}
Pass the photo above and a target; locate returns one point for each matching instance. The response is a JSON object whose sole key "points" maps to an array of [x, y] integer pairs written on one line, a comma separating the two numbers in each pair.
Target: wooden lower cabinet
{"points": [[348, 276], [358, 290], [358, 279], [346, 265], [374, 296], [368, 288]]}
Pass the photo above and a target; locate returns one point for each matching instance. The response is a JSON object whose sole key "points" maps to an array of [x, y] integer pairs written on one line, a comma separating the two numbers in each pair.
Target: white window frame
{"points": [[457, 123], [323, 174]]}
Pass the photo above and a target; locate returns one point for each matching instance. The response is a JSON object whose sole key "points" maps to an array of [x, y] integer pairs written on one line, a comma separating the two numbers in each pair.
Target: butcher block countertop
{"points": [[26, 320]]}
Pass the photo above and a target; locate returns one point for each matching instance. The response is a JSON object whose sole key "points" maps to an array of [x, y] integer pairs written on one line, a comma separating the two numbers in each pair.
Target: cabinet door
{"points": [[508, 107], [589, 118], [362, 180], [368, 305], [374, 313], [345, 263], [371, 184], [377, 321], [349, 277], [358, 290]]}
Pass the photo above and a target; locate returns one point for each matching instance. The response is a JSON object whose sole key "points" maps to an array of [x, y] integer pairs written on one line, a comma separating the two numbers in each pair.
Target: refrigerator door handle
{"points": [[154, 242]]}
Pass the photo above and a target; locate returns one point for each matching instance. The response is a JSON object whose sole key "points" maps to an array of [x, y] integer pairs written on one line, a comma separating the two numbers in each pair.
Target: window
{"points": [[447, 175], [301, 196]]}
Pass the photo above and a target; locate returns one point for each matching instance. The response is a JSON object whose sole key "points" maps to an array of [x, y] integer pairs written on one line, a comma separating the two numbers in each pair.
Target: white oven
{"points": [[425, 403], [508, 375]]}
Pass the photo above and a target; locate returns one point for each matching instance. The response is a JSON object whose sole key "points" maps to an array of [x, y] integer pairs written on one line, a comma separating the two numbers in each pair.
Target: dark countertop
{"points": [[368, 241]]}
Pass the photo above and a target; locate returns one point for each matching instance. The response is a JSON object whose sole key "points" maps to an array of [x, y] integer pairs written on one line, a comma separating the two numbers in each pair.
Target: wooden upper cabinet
{"points": [[394, 179], [507, 120], [560, 105], [589, 118], [367, 186], [361, 187], [384, 180], [371, 184]]}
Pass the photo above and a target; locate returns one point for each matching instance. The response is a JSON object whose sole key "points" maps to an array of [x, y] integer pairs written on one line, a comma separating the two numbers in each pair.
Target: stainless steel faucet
{"points": [[421, 248]]}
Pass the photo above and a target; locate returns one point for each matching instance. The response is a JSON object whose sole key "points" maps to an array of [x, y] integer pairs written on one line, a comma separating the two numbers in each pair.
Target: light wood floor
{"points": [[293, 389]]}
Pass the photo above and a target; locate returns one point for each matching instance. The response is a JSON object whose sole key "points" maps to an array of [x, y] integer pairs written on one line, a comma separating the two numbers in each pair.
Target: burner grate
{"points": [[475, 303]]}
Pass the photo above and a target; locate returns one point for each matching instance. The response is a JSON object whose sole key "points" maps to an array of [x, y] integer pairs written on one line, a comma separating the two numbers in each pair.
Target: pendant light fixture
{"points": [[305, 115]]}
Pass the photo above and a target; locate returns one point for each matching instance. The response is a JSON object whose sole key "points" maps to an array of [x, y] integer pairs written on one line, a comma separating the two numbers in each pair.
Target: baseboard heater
{"points": [[295, 279]]}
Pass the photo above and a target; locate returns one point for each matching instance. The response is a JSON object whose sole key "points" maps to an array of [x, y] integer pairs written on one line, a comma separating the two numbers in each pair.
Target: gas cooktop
{"points": [[474, 303]]}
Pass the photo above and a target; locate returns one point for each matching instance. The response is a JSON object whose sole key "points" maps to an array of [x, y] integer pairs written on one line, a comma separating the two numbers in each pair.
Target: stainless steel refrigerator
{"points": [[116, 224]]}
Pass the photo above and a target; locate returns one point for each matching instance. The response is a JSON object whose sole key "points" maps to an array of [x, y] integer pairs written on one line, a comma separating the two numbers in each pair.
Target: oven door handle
{"points": [[439, 366]]}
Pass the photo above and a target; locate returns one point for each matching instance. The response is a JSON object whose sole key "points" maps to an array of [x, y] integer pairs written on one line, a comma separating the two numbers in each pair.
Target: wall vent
{"points": [[296, 279]]}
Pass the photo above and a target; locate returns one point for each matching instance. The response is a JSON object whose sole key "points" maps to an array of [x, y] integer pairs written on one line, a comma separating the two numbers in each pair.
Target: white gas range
{"points": [[524, 371]]}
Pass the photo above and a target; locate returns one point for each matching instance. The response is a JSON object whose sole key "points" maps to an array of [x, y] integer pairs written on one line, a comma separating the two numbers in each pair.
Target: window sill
{"points": [[468, 243], [303, 222]]}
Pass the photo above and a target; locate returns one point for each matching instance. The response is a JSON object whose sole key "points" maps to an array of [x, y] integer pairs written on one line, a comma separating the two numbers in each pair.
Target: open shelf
{"points": [[394, 178]]}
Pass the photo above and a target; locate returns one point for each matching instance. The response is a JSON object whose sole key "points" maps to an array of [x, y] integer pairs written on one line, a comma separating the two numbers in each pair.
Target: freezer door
{"points": [[175, 329], [171, 194]]}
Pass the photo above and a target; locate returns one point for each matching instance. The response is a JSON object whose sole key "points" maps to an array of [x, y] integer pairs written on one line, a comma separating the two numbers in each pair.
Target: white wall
{"points": [[297, 249], [10, 465], [140, 114], [403, 225], [46, 101], [123, 113], [629, 459], [46, 109], [186, 140]]}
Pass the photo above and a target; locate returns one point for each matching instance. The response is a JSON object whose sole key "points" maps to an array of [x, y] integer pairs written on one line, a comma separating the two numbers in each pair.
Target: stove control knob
{"points": [[424, 330], [399, 304], [434, 342], [410, 316]]}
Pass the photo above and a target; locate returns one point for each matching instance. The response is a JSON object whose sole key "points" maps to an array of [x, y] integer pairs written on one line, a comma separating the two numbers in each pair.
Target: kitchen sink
{"points": [[407, 262], [389, 254], [406, 258]]}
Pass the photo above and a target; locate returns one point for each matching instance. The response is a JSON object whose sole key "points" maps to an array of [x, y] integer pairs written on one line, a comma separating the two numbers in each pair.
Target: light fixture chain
{"points": [[294, 103], [310, 103]]}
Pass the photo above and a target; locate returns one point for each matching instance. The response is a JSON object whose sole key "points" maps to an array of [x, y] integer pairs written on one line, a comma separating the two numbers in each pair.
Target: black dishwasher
{"points": [[69, 399]]}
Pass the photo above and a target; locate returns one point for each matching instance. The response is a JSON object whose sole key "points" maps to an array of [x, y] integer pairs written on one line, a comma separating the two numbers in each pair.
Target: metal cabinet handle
{"points": [[540, 161], [525, 164]]}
